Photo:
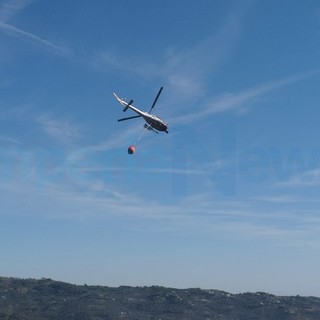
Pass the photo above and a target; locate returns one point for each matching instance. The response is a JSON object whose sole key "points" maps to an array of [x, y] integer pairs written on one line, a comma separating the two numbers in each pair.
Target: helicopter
{"points": [[153, 123]]}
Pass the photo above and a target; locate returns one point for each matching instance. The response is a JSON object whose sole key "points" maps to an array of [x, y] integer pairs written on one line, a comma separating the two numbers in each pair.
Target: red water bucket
{"points": [[131, 149]]}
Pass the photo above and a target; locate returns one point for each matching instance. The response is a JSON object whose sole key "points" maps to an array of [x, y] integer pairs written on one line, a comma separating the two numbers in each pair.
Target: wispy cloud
{"points": [[237, 101], [185, 71], [280, 199], [10, 8], [309, 178], [94, 199], [63, 188], [171, 171], [61, 131], [35, 40], [9, 140], [110, 60], [115, 141]]}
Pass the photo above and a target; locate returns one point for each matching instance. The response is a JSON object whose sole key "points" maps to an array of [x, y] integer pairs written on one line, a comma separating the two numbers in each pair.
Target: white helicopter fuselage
{"points": [[153, 121]]}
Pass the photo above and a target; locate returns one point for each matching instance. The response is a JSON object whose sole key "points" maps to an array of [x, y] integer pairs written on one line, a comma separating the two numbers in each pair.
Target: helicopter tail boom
{"points": [[124, 103]]}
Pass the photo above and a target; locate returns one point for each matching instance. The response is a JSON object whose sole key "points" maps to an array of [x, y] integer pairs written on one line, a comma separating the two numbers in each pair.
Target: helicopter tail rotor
{"points": [[127, 106]]}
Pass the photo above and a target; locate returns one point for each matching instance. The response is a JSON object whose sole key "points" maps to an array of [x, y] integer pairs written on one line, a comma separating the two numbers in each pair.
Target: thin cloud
{"points": [[237, 101], [310, 178], [61, 131], [184, 71], [280, 199], [10, 140], [35, 40], [112, 61], [147, 170], [70, 195], [9, 8], [96, 200], [116, 141], [187, 71]]}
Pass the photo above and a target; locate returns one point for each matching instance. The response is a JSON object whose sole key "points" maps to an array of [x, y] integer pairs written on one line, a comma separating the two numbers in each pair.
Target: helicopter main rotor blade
{"points": [[123, 119], [156, 99]]}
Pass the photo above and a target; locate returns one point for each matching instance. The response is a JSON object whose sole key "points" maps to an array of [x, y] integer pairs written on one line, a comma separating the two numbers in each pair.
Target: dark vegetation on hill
{"points": [[45, 299]]}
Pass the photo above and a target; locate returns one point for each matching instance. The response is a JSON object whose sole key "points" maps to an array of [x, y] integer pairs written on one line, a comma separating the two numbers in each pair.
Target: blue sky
{"points": [[228, 200]]}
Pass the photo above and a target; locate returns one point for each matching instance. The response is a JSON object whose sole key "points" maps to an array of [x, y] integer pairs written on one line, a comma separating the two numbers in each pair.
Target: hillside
{"points": [[46, 299]]}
